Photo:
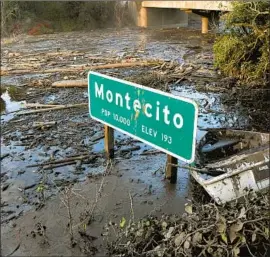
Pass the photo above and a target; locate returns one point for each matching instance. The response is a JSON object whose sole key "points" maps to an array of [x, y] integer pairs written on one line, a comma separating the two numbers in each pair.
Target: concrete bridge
{"points": [[175, 13]]}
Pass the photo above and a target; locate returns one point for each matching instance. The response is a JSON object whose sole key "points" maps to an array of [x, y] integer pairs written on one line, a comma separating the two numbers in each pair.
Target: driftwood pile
{"points": [[240, 228], [151, 72]]}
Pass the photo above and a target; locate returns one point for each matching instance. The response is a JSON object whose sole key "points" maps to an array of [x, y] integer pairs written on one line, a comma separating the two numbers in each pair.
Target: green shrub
{"points": [[242, 51]]}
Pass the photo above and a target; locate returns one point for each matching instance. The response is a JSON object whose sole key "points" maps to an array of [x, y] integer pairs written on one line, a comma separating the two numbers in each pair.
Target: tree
{"points": [[9, 11]]}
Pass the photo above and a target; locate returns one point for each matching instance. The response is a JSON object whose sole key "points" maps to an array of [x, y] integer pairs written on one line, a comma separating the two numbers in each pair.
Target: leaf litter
{"points": [[238, 228]]}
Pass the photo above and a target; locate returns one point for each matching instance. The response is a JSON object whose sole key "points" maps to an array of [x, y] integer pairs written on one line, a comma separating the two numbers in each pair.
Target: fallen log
{"points": [[53, 109], [48, 124], [123, 65], [70, 83], [37, 105], [81, 68]]}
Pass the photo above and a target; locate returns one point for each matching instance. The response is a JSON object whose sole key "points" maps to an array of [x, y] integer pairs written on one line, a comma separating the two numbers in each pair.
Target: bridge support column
{"points": [[205, 25], [143, 17]]}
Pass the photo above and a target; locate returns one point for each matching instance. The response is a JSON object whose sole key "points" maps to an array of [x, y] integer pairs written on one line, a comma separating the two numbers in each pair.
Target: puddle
{"points": [[9, 106]]}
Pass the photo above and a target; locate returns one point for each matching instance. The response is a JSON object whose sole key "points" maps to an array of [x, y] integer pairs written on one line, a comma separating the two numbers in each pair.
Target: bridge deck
{"points": [[197, 5]]}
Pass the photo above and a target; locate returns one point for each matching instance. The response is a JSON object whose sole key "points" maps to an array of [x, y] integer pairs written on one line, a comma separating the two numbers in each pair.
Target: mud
{"points": [[33, 195]]}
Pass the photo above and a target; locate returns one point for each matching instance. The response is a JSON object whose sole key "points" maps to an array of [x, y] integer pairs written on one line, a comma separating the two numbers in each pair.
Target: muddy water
{"points": [[9, 106], [180, 45]]}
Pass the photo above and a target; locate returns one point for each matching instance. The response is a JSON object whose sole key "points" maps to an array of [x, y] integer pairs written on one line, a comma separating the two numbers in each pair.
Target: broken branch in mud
{"points": [[66, 201], [4, 156], [54, 108], [98, 195], [131, 207], [15, 249], [90, 212], [52, 166], [82, 157]]}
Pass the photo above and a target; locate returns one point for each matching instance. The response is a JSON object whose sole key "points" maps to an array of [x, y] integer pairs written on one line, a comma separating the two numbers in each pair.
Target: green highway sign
{"points": [[162, 120]]}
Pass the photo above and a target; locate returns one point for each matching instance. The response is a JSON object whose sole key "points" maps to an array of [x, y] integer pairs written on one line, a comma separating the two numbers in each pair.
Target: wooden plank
{"points": [[171, 170], [109, 141]]}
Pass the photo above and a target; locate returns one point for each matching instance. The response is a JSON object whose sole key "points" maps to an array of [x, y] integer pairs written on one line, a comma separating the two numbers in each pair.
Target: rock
{"points": [[150, 202]]}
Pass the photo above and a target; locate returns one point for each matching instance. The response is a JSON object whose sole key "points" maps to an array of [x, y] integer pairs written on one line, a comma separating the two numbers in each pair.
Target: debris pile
{"points": [[239, 228]]}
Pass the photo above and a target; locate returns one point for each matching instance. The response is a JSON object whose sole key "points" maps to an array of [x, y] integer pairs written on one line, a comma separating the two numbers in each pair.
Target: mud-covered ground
{"points": [[38, 205]]}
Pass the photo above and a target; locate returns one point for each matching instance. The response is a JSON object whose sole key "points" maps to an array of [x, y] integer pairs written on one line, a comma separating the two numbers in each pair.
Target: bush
{"points": [[242, 51]]}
